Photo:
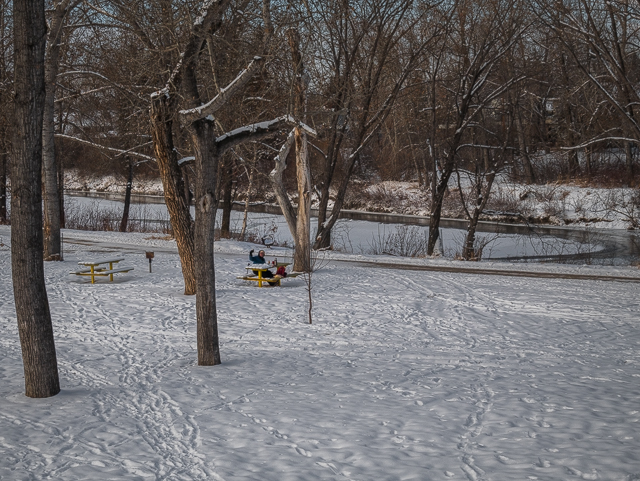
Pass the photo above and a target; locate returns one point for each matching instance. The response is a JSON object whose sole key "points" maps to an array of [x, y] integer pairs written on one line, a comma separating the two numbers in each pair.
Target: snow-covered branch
{"points": [[100, 76], [601, 139], [487, 147], [225, 94], [119, 152], [258, 131]]}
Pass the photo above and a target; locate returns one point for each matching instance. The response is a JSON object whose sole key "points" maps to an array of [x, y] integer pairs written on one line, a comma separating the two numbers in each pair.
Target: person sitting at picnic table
{"points": [[259, 259]]}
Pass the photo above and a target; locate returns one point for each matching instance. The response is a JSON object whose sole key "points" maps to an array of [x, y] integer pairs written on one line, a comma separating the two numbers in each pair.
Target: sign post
{"points": [[150, 257]]}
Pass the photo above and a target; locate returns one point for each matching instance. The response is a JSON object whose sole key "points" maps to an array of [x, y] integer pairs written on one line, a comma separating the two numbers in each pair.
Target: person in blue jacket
{"points": [[259, 259]]}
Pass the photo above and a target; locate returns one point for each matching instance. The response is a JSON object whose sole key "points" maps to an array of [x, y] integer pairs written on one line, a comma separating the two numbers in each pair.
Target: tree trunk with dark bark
{"points": [[227, 197], [574, 163], [628, 155], [52, 208], [529, 174], [204, 141], [30, 294], [161, 130], [3, 186], [127, 197], [4, 130], [437, 198], [61, 191], [323, 236], [483, 191]]}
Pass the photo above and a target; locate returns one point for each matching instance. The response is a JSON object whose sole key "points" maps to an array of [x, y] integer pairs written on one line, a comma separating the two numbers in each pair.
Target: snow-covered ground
{"points": [[551, 204], [110, 184], [404, 375]]}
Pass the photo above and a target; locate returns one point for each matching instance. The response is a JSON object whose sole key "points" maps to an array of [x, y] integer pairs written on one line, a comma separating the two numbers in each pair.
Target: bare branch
{"points": [[119, 152], [225, 94], [602, 139], [258, 131]]}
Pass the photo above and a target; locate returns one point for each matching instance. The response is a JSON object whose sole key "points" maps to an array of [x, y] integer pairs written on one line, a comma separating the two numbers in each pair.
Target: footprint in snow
{"points": [[543, 463], [576, 472], [303, 452]]}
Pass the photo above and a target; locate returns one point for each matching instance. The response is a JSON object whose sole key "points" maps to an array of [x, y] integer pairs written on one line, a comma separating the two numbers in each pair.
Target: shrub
{"points": [[404, 241]]}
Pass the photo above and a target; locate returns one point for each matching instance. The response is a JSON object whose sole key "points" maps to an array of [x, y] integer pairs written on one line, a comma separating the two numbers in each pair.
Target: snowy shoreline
{"points": [[545, 205]]}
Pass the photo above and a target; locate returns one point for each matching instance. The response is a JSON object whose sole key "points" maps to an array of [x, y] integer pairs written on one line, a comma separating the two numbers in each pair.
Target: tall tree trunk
{"points": [[127, 197], [574, 163], [529, 174], [628, 155], [421, 183], [483, 191], [440, 186], [30, 294], [52, 209], [322, 239], [3, 186], [4, 130], [227, 196], [161, 130], [247, 202], [437, 198], [302, 252], [61, 191], [186, 176], [323, 236], [204, 141]]}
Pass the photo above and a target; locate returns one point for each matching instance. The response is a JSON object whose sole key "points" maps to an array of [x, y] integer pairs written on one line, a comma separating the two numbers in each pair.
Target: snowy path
{"points": [[550, 271], [423, 376]]}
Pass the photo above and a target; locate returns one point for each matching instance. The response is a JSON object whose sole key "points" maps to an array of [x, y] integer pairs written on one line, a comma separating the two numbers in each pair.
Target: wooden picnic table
{"points": [[260, 269], [98, 268]]}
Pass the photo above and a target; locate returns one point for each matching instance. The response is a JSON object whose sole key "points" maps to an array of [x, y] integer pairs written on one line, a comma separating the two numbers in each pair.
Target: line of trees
{"points": [[215, 95], [396, 89]]}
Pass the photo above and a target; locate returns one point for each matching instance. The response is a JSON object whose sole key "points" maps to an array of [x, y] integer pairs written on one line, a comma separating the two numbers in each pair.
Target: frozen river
{"points": [[371, 237]]}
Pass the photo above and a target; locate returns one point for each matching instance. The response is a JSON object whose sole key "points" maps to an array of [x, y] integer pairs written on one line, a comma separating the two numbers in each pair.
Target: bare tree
{"points": [[357, 49], [32, 305], [486, 166], [197, 115], [317, 261], [478, 39], [50, 167], [602, 40], [299, 222]]}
